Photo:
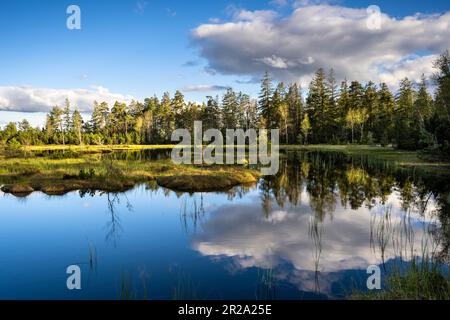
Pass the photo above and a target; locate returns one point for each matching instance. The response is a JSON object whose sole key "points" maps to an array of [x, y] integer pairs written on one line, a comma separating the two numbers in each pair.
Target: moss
{"points": [[60, 189], [91, 172], [204, 183], [18, 189]]}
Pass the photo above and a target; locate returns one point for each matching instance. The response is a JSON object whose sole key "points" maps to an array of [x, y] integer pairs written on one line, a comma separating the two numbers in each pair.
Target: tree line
{"points": [[333, 113]]}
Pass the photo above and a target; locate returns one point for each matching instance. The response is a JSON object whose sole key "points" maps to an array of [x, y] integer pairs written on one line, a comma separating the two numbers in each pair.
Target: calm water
{"points": [[309, 233]]}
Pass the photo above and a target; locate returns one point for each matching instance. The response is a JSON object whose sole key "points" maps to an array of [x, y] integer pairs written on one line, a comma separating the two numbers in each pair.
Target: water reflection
{"points": [[325, 214], [309, 232]]}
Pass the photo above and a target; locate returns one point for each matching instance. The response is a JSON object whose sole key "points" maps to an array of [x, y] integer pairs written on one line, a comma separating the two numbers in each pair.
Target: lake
{"points": [[310, 232]]}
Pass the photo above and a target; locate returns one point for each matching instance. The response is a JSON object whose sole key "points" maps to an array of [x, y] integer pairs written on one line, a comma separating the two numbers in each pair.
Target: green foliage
{"points": [[424, 279], [86, 174], [355, 113]]}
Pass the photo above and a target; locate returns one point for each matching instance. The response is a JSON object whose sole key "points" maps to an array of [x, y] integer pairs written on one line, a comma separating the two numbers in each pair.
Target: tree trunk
{"points": [[63, 135], [353, 140], [362, 133], [286, 131]]}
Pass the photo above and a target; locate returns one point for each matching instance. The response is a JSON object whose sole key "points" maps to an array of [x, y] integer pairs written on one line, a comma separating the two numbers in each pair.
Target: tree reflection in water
{"points": [[324, 183]]}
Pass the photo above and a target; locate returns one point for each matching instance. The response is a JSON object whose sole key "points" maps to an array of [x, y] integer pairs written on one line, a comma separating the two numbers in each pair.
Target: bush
{"points": [[14, 144], [85, 175]]}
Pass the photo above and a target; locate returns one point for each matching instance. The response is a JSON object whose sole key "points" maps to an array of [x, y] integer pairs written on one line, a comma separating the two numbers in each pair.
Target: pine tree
{"points": [[248, 112], [66, 128], [424, 102], [230, 109], [57, 121], [266, 109], [49, 128], [331, 122], [406, 134], [100, 116], [279, 109], [442, 82], [423, 111], [356, 95], [343, 106], [166, 119], [370, 103], [295, 112], [317, 105], [178, 106], [211, 116], [383, 116], [442, 101], [77, 125]]}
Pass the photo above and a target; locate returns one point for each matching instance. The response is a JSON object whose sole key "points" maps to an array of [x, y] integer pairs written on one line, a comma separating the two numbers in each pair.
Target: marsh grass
{"points": [[185, 288], [389, 155], [266, 286], [422, 279], [416, 273], [127, 290], [191, 215], [93, 262], [22, 175]]}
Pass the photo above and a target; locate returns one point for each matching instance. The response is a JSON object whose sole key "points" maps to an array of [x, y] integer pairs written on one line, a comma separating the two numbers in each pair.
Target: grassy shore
{"points": [[98, 148], [21, 175], [400, 157], [83, 167]]}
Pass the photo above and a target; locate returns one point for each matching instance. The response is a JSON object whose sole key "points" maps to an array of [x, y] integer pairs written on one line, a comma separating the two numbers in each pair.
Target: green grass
{"points": [[204, 183], [399, 157], [82, 167], [403, 158], [23, 175], [99, 148], [423, 280]]}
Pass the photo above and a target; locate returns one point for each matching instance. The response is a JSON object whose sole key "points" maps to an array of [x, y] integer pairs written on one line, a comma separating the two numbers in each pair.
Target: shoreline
{"points": [[21, 176]]}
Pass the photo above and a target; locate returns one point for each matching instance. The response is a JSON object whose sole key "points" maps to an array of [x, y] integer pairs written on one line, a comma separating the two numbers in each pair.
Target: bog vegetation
{"points": [[332, 113]]}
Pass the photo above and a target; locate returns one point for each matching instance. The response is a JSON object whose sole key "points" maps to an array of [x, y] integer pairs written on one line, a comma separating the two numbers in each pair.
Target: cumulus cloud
{"points": [[203, 88], [30, 99], [242, 233], [293, 47]]}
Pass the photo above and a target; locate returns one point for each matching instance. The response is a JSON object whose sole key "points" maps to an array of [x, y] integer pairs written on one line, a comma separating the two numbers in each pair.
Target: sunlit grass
{"points": [[400, 157], [92, 171]]}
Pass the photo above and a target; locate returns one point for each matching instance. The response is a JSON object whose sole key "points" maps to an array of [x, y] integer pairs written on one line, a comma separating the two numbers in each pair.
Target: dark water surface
{"points": [[308, 233]]}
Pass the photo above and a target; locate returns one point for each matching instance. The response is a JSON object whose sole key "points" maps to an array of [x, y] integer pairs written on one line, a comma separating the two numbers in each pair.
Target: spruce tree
{"points": [[265, 102], [317, 104]]}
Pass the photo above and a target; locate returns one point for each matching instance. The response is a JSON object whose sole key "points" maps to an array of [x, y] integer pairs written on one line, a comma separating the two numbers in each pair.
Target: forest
{"points": [[350, 112]]}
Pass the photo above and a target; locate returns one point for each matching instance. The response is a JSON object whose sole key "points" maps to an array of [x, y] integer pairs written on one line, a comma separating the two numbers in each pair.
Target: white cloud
{"points": [[30, 99], [242, 233], [274, 61], [292, 48]]}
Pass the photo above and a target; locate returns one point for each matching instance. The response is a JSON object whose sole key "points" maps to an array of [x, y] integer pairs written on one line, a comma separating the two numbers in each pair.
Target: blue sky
{"points": [[134, 49]]}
